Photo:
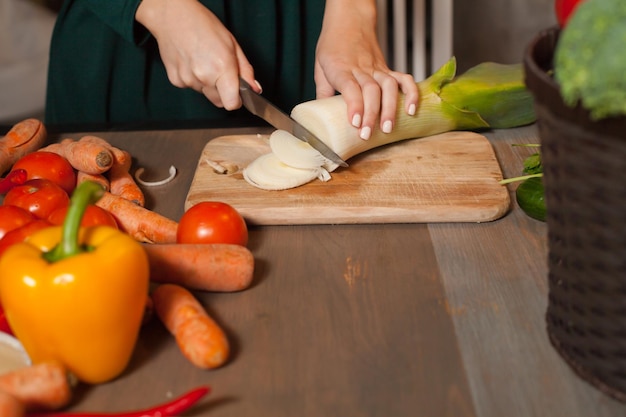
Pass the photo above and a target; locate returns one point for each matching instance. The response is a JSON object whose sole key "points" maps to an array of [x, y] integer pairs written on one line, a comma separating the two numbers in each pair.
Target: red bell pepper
{"points": [[564, 10]]}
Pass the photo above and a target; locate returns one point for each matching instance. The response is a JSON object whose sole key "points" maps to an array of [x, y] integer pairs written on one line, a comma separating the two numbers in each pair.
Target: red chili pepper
{"points": [[13, 178], [172, 408]]}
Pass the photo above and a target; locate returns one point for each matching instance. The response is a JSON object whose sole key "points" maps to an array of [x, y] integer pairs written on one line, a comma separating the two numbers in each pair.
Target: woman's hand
{"points": [[349, 60], [197, 50]]}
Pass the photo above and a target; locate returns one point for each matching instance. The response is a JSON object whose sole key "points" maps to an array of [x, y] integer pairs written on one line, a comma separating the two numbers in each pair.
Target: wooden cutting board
{"points": [[451, 177]]}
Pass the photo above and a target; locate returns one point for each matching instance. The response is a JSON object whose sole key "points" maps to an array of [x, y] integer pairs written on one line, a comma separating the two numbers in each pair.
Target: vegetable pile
{"points": [[78, 249], [66, 283]]}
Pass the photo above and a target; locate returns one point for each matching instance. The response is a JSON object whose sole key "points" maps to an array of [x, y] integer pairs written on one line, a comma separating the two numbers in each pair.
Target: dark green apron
{"points": [[105, 67]]}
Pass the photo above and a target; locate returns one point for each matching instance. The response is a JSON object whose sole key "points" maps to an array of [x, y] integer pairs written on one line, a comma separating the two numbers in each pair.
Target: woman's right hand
{"points": [[197, 50]]}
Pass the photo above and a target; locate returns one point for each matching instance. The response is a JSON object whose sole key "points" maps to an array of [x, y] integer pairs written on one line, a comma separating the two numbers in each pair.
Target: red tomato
{"points": [[39, 196], [212, 222], [94, 216], [48, 165], [564, 10], [12, 217], [21, 233]]}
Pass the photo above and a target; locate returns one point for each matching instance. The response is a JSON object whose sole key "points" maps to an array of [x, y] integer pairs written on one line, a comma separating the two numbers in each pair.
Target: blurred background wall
{"points": [[497, 30], [25, 30]]}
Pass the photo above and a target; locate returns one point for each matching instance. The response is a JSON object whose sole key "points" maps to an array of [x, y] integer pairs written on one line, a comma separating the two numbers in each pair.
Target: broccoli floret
{"points": [[590, 58]]}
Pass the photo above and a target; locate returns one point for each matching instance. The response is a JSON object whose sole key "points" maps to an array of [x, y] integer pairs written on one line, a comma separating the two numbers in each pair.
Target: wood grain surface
{"points": [[441, 319], [451, 177]]}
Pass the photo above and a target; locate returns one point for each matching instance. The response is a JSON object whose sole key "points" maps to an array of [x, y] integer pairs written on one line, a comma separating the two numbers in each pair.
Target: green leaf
{"points": [[532, 164]]}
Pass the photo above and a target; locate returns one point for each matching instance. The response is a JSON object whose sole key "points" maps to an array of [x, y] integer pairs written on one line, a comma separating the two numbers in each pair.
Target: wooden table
{"points": [[383, 320]]}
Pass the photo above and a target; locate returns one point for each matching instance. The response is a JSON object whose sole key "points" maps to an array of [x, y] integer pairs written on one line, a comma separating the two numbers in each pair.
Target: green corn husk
{"points": [[488, 95]]}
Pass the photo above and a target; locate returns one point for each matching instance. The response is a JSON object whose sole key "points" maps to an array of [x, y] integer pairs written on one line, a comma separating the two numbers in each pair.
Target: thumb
{"points": [[323, 88]]}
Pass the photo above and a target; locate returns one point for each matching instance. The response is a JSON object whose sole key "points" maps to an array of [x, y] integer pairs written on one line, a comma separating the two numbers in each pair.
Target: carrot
{"points": [[206, 267], [55, 147], [24, 137], [199, 337], [122, 183], [98, 141], [44, 386], [82, 176], [142, 224], [10, 406], [85, 156]]}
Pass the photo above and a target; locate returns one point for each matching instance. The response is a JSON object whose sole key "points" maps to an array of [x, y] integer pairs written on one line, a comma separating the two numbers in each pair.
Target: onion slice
{"points": [[267, 172], [141, 170]]}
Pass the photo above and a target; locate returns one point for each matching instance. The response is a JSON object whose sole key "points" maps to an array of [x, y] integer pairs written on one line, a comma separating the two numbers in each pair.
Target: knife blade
{"points": [[263, 108]]}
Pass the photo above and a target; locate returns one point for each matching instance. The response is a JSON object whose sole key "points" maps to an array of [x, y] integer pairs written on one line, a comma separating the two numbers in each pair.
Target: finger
{"points": [[346, 84], [213, 96], [227, 86], [246, 71], [353, 96], [389, 100], [408, 86], [371, 105], [323, 88], [254, 84], [182, 79]]}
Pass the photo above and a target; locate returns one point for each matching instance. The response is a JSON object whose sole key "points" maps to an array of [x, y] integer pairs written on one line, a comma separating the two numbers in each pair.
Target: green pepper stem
{"points": [[86, 193]]}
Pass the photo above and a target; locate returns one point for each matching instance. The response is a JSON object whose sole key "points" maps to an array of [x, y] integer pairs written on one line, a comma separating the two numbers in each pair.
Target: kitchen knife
{"points": [[263, 108]]}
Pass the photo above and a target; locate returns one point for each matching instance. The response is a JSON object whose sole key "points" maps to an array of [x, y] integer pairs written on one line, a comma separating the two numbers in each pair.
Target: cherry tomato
{"points": [[12, 217], [39, 196], [21, 233], [212, 222], [94, 216], [48, 165], [564, 10]]}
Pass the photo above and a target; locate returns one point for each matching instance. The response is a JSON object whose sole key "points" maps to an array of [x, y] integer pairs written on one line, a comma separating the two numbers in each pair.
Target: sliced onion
{"points": [[141, 170], [323, 175], [294, 152], [267, 172]]}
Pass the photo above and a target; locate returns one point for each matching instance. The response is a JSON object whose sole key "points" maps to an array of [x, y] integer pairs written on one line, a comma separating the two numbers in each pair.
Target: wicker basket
{"points": [[584, 166]]}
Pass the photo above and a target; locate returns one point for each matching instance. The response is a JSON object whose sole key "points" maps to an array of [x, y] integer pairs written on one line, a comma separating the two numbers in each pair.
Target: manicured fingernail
{"points": [[387, 126], [356, 120], [258, 84], [412, 110], [366, 132]]}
